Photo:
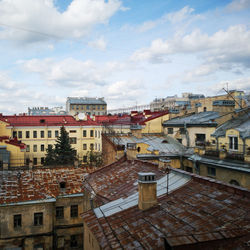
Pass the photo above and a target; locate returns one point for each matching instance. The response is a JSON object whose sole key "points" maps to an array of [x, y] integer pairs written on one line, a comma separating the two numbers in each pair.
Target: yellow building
{"points": [[228, 158], [86, 105], [40, 132]]}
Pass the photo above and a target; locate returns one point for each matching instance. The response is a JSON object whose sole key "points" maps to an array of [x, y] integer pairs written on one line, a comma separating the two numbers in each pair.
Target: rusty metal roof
{"points": [[39, 184], [118, 179], [203, 211]]}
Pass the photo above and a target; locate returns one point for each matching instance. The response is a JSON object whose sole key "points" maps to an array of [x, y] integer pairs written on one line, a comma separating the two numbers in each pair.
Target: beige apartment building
{"points": [[40, 132], [86, 105]]}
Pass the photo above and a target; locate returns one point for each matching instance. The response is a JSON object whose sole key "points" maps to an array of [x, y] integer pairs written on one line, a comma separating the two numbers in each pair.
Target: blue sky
{"points": [[127, 51]]}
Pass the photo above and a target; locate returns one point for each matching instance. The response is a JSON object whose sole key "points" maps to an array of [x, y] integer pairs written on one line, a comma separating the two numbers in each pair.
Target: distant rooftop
{"points": [[86, 100]]}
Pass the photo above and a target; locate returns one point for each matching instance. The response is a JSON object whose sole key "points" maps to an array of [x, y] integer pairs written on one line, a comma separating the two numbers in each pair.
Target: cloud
{"points": [[183, 15], [32, 21], [238, 84], [238, 5], [129, 90], [98, 44], [227, 48]]}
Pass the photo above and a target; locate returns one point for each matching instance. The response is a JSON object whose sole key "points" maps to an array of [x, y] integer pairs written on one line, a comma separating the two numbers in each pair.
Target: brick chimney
{"points": [[147, 187]]}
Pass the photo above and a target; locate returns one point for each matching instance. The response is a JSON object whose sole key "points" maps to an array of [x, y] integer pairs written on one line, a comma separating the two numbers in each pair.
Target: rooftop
{"points": [[117, 180], [43, 120], [163, 144], [241, 123], [199, 119], [39, 184], [200, 213], [86, 100]]}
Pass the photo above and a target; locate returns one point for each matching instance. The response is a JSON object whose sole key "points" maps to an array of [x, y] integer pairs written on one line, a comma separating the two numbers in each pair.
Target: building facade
{"points": [[86, 105], [40, 132], [40, 209]]}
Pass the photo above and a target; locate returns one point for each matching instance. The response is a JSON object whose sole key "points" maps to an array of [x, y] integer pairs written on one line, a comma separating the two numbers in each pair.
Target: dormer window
{"points": [[62, 185], [42, 120]]}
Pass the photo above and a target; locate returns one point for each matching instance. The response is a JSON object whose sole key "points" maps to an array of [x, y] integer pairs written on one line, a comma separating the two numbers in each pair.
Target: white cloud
{"points": [[98, 44], [238, 5], [227, 48], [178, 17], [42, 17]]}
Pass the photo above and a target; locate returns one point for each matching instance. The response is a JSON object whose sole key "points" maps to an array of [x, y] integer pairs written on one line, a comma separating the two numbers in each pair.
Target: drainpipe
{"points": [[187, 135]]}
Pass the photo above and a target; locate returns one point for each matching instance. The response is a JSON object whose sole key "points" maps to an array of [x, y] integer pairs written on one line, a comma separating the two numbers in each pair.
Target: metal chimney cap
{"points": [[148, 177]]}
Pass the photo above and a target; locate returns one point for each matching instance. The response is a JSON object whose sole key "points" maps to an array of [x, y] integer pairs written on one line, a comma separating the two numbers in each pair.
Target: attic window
{"points": [[164, 141], [62, 185], [42, 121]]}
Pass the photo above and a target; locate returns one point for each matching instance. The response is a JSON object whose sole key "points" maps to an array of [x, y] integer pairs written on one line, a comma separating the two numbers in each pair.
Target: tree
{"points": [[62, 153], [94, 159]]}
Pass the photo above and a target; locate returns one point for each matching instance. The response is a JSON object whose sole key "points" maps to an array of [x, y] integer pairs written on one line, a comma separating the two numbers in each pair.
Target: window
{"points": [[42, 147], [49, 134], [95, 133], [211, 171], [62, 185], [131, 145], [85, 158], [170, 131], [34, 148], [42, 160], [50, 146], [72, 131], [72, 140], [233, 142], [91, 146], [38, 219], [99, 134], [34, 134], [234, 182], [42, 134], [74, 211], [14, 134], [189, 169], [59, 212], [27, 148], [27, 160], [87, 106], [27, 134], [84, 134], [73, 241], [35, 161], [56, 133], [179, 140], [20, 134], [84, 146], [91, 133], [182, 131], [17, 220]]}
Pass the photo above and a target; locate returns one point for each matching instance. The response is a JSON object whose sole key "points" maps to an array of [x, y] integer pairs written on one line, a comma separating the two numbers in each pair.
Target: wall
{"points": [[90, 241], [222, 174], [155, 125], [53, 231], [37, 234], [95, 140]]}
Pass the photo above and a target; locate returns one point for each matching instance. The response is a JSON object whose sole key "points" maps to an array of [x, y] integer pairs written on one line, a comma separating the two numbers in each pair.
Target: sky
{"points": [[127, 51]]}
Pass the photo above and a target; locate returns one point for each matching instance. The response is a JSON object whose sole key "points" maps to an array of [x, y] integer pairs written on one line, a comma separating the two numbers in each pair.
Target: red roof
{"points": [[13, 141], [136, 118], [49, 120]]}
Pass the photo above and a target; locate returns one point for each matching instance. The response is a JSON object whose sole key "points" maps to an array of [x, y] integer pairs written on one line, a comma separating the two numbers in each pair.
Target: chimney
{"points": [[147, 187]]}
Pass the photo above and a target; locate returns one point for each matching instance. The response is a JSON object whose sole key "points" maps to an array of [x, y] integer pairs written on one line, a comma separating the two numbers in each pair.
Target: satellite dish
{"points": [[81, 116]]}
